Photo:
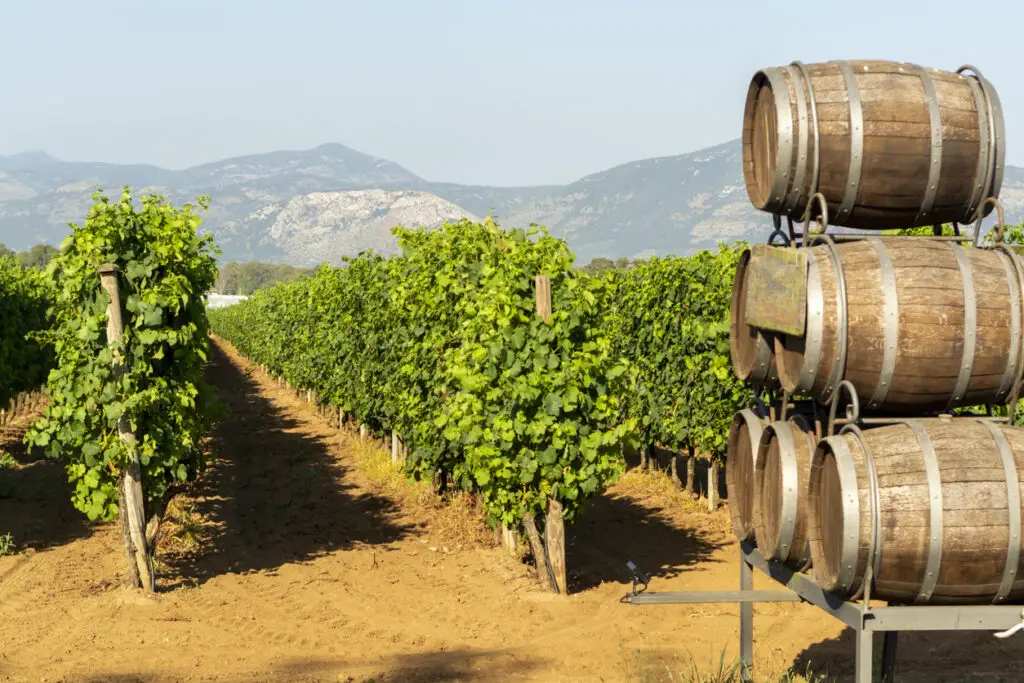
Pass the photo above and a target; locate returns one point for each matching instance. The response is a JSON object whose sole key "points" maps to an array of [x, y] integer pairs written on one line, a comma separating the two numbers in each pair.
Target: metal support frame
{"points": [[791, 237], [864, 618]]}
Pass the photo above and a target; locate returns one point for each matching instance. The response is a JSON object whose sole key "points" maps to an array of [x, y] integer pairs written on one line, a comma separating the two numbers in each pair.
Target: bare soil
{"points": [[288, 561]]}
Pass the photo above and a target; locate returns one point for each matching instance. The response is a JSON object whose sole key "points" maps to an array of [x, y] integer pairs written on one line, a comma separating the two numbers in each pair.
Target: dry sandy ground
{"points": [[309, 572]]}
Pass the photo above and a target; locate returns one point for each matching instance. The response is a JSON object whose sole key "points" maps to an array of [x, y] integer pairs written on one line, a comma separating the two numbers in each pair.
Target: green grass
{"points": [[639, 670], [7, 545]]}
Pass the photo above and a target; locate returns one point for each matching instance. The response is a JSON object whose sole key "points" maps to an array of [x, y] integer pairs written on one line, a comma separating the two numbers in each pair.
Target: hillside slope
{"points": [[672, 204]]}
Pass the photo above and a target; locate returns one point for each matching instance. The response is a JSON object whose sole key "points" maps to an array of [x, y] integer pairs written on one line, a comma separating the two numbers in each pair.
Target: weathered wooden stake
{"points": [[554, 522], [341, 418], [363, 431], [644, 457], [674, 469], [691, 485], [554, 533], [544, 297], [539, 553], [133, 514], [712, 486]]}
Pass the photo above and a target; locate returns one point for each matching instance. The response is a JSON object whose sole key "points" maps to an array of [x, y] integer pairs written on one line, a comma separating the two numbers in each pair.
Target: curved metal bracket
{"points": [[777, 231], [822, 218], [852, 409], [1000, 227]]}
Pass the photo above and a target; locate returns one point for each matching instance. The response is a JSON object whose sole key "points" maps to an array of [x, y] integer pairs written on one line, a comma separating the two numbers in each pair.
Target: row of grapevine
{"points": [[25, 294], [128, 409], [443, 345], [669, 318]]}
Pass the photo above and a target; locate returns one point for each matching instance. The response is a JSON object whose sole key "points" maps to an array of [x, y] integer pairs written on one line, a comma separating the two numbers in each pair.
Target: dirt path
{"points": [[308, 574]]}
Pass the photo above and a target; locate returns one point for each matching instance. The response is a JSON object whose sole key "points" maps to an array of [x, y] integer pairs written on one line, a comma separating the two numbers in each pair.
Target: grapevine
{"points": [[442, 345], [165, 269]]}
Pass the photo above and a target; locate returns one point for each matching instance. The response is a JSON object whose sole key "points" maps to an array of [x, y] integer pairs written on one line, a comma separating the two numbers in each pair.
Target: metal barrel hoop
{"points": [[790, 479], [890, 324], [815, 166], [935, 157], [997, 134], [931, 571], [808, 432], [784, 149], [984, 166], [1015, 280], [874, 543], [839, 362], [970, 325], [815, 323], [793, 198], [853, 175], [1013, 510], [851, 507]]}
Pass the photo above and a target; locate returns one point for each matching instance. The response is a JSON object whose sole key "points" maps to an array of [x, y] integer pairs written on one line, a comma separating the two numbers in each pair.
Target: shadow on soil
{"points": [[275, 494], [661, 460], [613, 530], [35, 498], [423, 667], [924, 657]]}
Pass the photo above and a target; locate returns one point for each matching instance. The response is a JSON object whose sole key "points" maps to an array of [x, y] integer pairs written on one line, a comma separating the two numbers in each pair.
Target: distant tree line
{"points": [[601, 264], [246, 278], [36, 257]]}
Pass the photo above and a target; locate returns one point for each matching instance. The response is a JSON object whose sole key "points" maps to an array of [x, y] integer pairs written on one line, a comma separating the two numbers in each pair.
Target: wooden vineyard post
{"points": [[394, 448], [554, 533], [554, 522], [363, 431], [544, 297], [712, 485], [132, 500], [540, 553], [691, 485]]}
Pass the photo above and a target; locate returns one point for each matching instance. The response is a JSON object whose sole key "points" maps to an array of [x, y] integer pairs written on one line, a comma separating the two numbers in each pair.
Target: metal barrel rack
{"points": [[864, 618], [856, 612]]}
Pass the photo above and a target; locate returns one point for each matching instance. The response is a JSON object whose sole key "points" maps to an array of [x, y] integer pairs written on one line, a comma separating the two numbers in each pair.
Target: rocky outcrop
{"points": [[325, 226]]}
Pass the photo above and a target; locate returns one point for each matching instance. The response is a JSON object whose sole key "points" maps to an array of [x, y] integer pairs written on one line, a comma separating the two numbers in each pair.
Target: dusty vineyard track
{"points": [[309, 574]]}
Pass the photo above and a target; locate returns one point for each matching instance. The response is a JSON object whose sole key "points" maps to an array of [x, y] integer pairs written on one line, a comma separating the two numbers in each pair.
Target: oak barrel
{"points": [[781, 471], [750, 348], [744, 437], [888, 144], [932, 505], [915, 325]]}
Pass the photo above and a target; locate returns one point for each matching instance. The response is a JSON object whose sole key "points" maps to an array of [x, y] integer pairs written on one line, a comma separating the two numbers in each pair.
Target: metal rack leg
{"points": [[746, 622], [889, 656], [864, 657]]}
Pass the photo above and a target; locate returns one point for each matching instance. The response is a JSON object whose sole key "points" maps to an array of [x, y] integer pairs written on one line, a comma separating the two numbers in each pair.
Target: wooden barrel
{"points": [[915, 325], [750, 348], [744, 436], [781, 472], [932, 505], [888, 144]]}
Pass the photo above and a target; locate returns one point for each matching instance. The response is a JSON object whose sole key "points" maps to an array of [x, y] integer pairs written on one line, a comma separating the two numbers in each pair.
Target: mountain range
{"points": [[305, 207]]}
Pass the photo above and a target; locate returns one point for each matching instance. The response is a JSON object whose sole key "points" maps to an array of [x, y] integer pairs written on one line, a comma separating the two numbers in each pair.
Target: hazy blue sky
{"points": [[521, 92]]}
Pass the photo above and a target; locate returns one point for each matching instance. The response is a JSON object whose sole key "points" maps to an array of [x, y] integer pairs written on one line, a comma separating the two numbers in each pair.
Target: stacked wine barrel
{"points": [[925, 506]]}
